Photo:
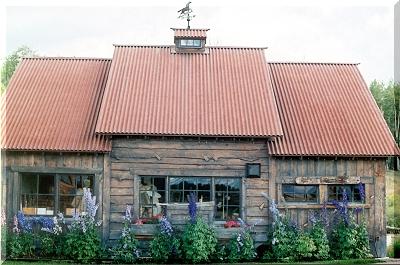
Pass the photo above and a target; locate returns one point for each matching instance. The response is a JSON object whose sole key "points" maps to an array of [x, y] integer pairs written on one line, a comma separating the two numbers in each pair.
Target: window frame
{"points": [[317, 195], [338, 192], [91, 173], [167, 190], [187, 46]]}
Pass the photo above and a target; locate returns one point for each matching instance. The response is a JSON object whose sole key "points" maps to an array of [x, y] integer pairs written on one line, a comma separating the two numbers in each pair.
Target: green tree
{"points": [[387, 97], [11, 62]]}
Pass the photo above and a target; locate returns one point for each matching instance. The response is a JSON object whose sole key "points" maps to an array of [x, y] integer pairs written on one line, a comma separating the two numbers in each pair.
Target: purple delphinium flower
{"points": [[165, 226], [90, 203], [342, 207], [192, 207], [362, 191], [274, 210], [24, 225], [46, 223], [325, 214], [3, 219]]}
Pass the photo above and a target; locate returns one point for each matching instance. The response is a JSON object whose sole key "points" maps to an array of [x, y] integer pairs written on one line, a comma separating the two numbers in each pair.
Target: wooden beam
{"points": [[327, 180], [55, 170]]}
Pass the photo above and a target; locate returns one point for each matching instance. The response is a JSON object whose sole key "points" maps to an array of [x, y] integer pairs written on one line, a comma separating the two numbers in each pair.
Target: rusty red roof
{"points": [[327, 110], [190, 33], [52, 104], [221, 92]]}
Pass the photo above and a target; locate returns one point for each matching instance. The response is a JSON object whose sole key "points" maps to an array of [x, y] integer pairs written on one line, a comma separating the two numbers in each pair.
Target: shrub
{"points": [[198, 239], [362, 248], [241, 246], [165, 246], [82, 241], [20, 245], [304, 247], [321, 242], [126, 250], [284, 237]]}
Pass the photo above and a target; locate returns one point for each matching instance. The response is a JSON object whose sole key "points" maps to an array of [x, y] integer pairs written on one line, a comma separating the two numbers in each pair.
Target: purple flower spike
{"points": [[362, 191], [192, 207]]}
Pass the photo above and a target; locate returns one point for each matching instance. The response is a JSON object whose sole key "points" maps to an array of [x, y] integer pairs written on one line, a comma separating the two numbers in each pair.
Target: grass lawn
{"points": [[353, 261]]}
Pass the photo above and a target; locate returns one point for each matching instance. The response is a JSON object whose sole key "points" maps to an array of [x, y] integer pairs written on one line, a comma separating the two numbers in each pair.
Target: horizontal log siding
{"points": [[371, 172], [132, 158]]}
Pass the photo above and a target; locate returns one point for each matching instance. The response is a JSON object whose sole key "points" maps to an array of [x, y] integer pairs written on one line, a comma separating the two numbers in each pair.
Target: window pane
{"points": [[187, 193], [28, 183], [234, 199], [176, 183], [67, 185], [159, 183], [204, 184], [45, 205], [189, 42], [29, 203], [46, 184], [196, 43], [204, 196], [190, 184], [68, 205], [233, 213], [298, 189], [176, 196], [233, 184], [288, 189], [220, 184], [183, 42], [300, 193]]}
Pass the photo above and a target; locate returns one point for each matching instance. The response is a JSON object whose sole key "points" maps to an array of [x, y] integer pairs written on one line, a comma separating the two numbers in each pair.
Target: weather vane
{"points": [[186, 13]]}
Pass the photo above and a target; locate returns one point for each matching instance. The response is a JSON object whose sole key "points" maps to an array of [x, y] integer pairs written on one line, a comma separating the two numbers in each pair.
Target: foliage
{"points": [[126, 250], [165, 246], [20, 245], [198, 238], [305, 246], [241, 246], [394, 248], [11, 63], [320, 240], [82, 241], [348, 239], [387, 97]]}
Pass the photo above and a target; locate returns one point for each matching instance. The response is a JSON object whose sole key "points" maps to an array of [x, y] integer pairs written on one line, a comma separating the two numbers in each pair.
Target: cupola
{"points": [[190, 39]]}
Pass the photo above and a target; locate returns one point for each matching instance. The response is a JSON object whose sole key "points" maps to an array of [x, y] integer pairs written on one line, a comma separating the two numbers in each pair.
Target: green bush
{"points": [[198, 241], [126, 249], [304, 246], [283, 241], [20, 245], [343, 241], [241, 247], [164, 248], [82, 241], [320, 240], [362, 248]]}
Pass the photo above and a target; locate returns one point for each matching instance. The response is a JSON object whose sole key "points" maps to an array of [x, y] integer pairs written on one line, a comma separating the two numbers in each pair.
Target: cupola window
{"points": [[190, 43]]}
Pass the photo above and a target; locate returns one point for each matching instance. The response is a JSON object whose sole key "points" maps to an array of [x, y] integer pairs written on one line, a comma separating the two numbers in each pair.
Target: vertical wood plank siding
{"points": [[17, 162], [132, 158], [371, 171]]}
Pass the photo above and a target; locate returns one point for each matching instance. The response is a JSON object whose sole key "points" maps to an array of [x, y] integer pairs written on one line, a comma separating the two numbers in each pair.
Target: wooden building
{"points": [[155, 123]]}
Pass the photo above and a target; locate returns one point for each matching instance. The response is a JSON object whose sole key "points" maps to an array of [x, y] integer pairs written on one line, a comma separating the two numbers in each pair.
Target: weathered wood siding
{"points": [[15, 163], [132, 158], [370, 171]]}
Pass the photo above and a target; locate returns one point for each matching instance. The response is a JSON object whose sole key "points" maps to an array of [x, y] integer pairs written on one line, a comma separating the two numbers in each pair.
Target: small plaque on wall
{"points": [[253, 170]]}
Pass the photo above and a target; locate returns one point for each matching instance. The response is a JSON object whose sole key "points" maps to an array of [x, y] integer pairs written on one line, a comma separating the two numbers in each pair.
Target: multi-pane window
{"points": [[152, 192], [37, 194], [300, 193], [180, 188], [190, 43], [157, 190], [335, 192], [48, 194], [227, 199], [71, 193]]}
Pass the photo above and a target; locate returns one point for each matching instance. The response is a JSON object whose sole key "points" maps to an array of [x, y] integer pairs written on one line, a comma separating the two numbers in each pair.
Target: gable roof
{"points": [[327, 110], [52, 105], [152, 90], [190, 33]]}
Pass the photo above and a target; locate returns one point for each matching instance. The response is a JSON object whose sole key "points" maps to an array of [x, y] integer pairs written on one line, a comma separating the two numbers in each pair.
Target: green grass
{"points": [[352, 261]]}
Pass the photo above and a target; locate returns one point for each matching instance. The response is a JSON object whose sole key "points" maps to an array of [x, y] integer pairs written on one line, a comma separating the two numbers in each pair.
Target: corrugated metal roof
{"points": [[327, 110], [52, 105], [190, 33], [223, 92]]}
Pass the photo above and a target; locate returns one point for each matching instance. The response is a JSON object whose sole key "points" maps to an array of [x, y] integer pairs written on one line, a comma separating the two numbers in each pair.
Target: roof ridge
{"points": [[64, 58], [170, 46], [292, 62]]}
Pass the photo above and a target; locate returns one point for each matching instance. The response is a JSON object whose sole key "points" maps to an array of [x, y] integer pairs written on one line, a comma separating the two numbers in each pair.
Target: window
{"points": [[181, 187], [335, 192], [225, 192], [300, 193], [48, 194], [227, 199], [152, 192], [190, 43]]}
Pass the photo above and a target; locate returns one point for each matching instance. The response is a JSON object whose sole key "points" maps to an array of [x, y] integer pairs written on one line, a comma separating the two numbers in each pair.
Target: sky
{"points": [[308, 31]]}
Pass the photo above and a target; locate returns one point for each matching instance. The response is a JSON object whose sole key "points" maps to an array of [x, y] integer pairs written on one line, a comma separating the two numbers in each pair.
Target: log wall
{"points": [[132, 158]]}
